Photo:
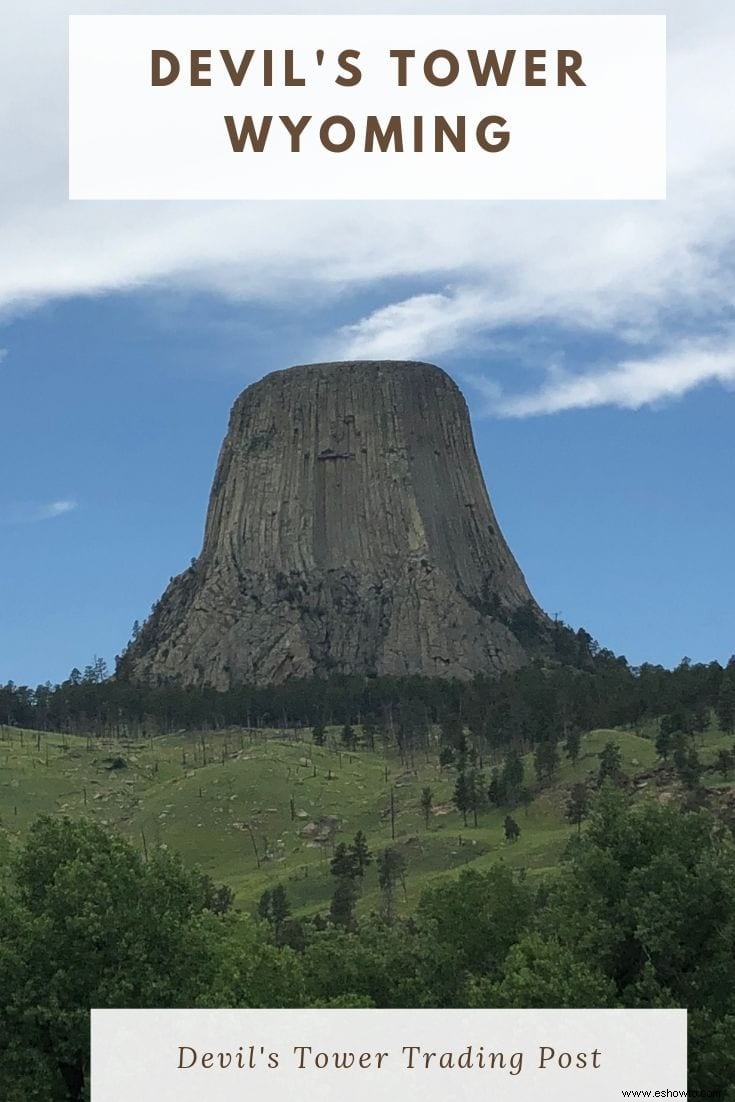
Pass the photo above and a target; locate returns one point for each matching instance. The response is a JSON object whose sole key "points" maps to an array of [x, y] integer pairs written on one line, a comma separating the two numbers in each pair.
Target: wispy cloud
{"points": [[33, 512], [56, 509], [3, 354], [426, 324], [630, 384]]}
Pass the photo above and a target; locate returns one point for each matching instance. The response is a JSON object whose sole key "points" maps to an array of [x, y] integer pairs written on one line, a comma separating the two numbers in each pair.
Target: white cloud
{"points": [[56, 509], [3, 354], [630, 384], [618, 268], [32, 513]]}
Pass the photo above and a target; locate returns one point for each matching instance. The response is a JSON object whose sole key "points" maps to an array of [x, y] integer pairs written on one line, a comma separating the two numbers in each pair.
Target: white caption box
{"points": [[131, 139], [330, 1055]]}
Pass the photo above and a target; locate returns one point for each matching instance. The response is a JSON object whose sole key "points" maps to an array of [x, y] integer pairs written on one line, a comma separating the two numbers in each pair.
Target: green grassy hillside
{"points": [[218, 798]]}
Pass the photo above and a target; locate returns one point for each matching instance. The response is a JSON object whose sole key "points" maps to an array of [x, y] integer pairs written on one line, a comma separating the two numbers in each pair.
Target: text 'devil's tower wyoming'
{"points": [[349, 531]]}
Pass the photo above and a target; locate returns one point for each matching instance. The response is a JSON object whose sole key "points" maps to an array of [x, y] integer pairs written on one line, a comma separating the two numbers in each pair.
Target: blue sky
{"points": [[595, 343]]}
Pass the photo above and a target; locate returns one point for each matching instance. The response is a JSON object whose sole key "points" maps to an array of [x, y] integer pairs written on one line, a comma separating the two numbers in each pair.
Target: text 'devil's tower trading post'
{"points": [[412, 1055], [367, 107]]}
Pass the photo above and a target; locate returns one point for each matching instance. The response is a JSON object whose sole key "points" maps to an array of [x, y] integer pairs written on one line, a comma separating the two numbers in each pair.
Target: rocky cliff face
{"points": [[349, 531]]}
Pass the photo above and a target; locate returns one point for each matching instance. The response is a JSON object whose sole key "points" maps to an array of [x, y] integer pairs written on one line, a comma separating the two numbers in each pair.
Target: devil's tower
{"points": [[349, 531]]}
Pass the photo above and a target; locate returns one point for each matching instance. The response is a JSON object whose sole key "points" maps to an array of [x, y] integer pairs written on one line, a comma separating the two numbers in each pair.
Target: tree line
{"points": [[543, 703]]}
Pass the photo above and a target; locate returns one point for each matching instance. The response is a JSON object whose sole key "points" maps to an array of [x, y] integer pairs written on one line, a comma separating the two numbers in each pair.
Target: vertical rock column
{"points": [[349, 530]]}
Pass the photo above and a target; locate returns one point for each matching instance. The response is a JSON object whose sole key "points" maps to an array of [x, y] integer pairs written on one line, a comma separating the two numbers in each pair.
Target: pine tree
{"points": [[344, 863], [318, 734], [577, 805], [349, 737], [280, 906], [344, 899], [264, 906], [427, 803], [572, 744], [611, 763], [446, 756], [391, 872], [513, 772], [496, 789], [461, 796], [360, 853], [475, 792], [664, 743], [688, 766]]}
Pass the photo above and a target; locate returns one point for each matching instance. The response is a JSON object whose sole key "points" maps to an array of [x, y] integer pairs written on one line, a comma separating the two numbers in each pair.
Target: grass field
{"points": [[253, 809]]}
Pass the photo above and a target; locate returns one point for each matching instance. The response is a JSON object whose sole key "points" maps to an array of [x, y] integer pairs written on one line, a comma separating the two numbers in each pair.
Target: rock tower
{"points": [[349, 531]]}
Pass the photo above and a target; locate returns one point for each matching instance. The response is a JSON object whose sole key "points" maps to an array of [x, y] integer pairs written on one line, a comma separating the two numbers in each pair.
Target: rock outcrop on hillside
{"points": [[349, 531]]}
